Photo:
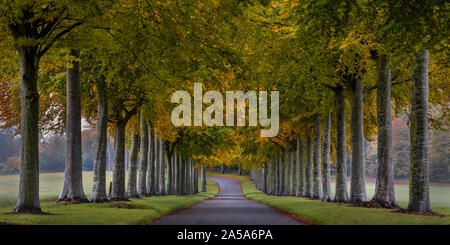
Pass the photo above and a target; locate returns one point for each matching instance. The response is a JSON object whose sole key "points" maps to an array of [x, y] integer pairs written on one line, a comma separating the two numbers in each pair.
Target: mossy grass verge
{"points": [[136, 211], [332, 213]]}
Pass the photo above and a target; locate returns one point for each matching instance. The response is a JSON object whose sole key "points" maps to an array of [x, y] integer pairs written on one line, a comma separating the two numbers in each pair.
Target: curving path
{"points": [[229, 207]]}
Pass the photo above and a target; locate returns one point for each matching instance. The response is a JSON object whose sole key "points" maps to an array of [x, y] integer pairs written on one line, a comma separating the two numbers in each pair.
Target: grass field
{"points": [[439, 193], [136, 211], [325, 213]]}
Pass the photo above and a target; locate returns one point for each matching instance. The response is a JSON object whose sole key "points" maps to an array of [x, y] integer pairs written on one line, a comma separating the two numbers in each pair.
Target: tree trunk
{"points": [[143, 160], [72, 189], [28, 198], [326, 161], [162, 168], [286, 172], [175, 173], [156, 163], [169, 173], [300, 158], [132, 164], [182, 174], [384, 189], [419, 193], [308, 170], [99, 189], [317, 183], [203, 179], [282, 173], [151, 160], [186, 176], [278, 180], [273, 178], [291, 173], [341, 151], [222, 168], [196, 181], [358, 184], [193, 169], [118, 192], [264, 179]]}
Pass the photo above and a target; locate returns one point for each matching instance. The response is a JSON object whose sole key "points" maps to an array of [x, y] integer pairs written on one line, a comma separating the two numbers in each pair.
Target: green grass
{"points": [[325, 213], [439, 194], [50, 185], [136, 211]]}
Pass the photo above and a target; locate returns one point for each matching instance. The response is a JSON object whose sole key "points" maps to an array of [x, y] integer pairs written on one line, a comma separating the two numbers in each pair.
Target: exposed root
{"points": [[119, 199], [99, 200], [375, 204], [21, 209], [135, 196], [75, 200]]}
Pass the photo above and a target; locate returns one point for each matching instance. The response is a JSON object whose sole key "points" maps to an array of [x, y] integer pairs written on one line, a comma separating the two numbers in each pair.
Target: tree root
{"points": [[74, 200], [119, 199], [99, 200]]}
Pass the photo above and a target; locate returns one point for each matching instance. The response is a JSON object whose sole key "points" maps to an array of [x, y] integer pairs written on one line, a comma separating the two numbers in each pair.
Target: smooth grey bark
{"points": [[326, 181], [162, 168], [194, 175], [419, 192], [358, 184], [191, 176], [222, 168], [196, 180], [317, 170], [182, 175], [291, 173], [300, 168], [282, 173], [28, 198], [178, 173], [273, 178], [264, 179], [118, 192], [384, 188], [308, 169], [239, 170], [169, 173], [287, 169], [143, 160], [203, 179], [186, 176], [99, 186], [126, 160], [151, 160], [175, 173], [279, 175], [110, 152], [341, 194], [132, 166], [269, 177], [156, 164], [72, 189], [294, 169]]}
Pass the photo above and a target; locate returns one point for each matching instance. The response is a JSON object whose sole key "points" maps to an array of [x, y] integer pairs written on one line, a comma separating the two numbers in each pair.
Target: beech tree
{"points": [[36, 26]]}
